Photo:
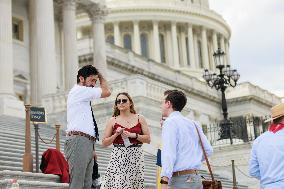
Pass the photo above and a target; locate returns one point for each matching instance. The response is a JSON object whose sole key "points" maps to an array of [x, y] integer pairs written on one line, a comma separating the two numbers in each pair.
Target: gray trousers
{"points": [[79, 154], [189, 181]]}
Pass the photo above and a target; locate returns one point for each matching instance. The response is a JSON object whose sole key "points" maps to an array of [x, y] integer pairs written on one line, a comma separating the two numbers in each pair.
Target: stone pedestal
{"points": [[10, 106]]}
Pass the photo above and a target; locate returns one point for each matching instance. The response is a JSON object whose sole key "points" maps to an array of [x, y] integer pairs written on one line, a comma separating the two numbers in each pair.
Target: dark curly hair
{"points": [[87, 71]]}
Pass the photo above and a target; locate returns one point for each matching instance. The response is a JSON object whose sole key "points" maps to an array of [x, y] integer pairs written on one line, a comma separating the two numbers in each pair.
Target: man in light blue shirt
{"points": [[182, 154], [267, 155]]}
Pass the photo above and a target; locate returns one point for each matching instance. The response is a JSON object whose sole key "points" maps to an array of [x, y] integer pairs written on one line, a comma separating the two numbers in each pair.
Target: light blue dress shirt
{"points": [[267, 160], [181, 149]]}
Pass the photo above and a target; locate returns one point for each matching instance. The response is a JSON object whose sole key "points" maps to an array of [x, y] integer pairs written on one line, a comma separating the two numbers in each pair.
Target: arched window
{"points": [[162, 48], [110, 39], [200, 54], [127, 42], [144, 45]]}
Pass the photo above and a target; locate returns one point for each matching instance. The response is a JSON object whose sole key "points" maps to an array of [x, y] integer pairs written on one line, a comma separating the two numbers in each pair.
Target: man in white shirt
{"points": [[267, 154], [181, 150], [80, 131]]}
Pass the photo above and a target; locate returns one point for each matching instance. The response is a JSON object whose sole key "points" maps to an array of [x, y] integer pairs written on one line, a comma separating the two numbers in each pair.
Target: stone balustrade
{"points": [[247, 89]]}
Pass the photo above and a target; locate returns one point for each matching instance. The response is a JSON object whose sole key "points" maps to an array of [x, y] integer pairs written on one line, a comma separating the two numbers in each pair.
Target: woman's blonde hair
{"points": [[116, 111]]}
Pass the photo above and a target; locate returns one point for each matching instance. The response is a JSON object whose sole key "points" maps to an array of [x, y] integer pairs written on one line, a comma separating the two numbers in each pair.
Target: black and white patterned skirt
{"points": [[125, 169]]}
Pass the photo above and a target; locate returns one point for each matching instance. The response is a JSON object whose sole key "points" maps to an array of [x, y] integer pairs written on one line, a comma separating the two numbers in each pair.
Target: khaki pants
{"points": [[79, 154], [189, 181]]}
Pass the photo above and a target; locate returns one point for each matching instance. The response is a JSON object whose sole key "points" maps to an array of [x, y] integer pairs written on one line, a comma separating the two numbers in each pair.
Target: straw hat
{"points": [[276, 112]]}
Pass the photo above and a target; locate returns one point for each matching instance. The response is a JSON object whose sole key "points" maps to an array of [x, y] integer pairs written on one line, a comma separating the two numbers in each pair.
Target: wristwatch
{"points": [[163, 181]]}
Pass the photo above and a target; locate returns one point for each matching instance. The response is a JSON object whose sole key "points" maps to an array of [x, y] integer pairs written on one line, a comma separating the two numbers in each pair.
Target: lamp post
{"points": [[227, 77]]}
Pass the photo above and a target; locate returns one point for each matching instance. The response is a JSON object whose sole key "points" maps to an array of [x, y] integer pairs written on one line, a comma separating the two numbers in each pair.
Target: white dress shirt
{"points": [[79, 115], [181, 149]]}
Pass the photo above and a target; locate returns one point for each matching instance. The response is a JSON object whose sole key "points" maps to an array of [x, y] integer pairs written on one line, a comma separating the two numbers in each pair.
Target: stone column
{"points": [[175, 59], [116, 31], [191, 47], [156, 40], [215, 46], [6, 49], [227, 51], [196, 53], [222, 44], [137, 45], [9, 105], [97, 14], [183, 53], [205, 59], [42, 49], [70, 43], [215, 43]]}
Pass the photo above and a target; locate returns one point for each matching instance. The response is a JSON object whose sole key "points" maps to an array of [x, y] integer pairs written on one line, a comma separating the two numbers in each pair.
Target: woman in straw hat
{"points": [[267, 155]]}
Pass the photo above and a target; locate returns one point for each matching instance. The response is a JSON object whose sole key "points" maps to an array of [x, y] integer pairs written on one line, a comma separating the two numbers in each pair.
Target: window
{"points": [[110, 39], [200, 54], [127, 41], [18, 29], [162, 48], [144, 45]]}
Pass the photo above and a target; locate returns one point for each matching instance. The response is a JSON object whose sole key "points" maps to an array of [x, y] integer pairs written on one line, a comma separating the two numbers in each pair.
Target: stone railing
{"points": [[247, 89], [136, 86], [54, 103]]}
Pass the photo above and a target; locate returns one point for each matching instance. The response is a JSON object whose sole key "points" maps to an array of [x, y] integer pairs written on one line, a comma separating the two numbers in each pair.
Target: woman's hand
{"points": [[128, 134], [119, 130]]}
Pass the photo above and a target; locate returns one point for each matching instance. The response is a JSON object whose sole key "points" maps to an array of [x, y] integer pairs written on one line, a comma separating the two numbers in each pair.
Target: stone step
{"points": [[23, 184], [12, 138], [17, 162], [42, 147], [18, 175]]}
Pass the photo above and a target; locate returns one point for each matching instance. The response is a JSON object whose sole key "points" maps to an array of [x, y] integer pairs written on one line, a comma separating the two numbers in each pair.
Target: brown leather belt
{"points": [[185, 172], [81, 134]]}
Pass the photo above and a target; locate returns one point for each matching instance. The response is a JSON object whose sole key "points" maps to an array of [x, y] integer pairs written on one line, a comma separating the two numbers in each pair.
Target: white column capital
{"points": [[97, 12], [136, 22], [69, 4], [155, 22], [116, 23]]}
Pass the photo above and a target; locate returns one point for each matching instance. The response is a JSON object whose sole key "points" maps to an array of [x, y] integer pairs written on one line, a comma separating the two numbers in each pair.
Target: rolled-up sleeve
{"points": [[169, 146], [253, 163]]}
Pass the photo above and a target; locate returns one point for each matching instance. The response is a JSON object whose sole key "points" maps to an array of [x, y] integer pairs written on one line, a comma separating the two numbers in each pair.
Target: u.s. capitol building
{"points": [[142, 46]]}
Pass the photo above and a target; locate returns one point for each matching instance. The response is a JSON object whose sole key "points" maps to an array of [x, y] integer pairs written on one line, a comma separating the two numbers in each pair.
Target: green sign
{"points": [[38, 115]]}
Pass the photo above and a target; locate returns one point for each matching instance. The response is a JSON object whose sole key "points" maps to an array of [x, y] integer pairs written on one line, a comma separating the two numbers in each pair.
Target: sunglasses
{"points": [[121, 101]]}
